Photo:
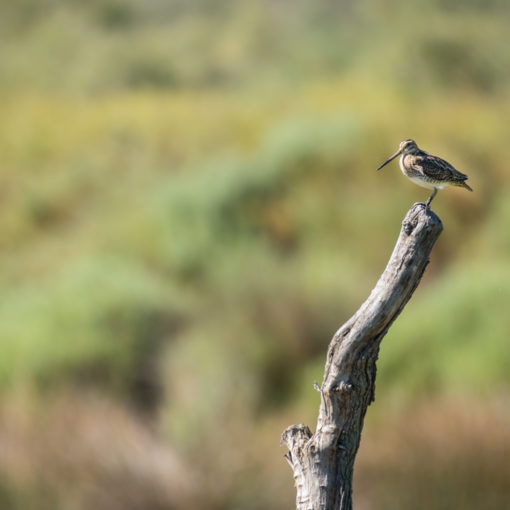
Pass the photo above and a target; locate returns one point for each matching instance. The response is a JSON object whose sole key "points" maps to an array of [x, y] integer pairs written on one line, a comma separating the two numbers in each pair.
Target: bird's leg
{"points": [[427, 204]]}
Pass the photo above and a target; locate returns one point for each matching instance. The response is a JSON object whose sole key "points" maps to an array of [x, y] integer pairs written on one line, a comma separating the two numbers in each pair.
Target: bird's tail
{"points": [[462, 184]]}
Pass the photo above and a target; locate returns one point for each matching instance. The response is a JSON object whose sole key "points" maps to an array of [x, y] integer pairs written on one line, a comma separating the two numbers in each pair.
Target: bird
{"points": [[426, 169]]}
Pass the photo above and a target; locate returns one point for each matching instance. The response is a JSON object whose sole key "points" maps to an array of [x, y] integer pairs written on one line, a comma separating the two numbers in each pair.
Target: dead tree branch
{"points": [[323, 462]]}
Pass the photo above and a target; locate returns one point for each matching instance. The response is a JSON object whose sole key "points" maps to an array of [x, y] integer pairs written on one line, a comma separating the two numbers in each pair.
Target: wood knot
{"points": [[344, 386], [409, 223], [408, 226]]}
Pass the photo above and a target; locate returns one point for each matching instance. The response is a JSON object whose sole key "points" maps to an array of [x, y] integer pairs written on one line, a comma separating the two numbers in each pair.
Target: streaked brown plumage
{"points": [[426, 169]]}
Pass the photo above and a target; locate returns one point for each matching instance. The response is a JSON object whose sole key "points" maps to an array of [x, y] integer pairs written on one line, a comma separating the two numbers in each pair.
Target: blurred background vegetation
{"points": [[189, 209]]}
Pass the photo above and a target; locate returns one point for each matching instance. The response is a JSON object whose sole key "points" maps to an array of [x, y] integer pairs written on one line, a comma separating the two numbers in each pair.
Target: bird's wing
{"points": [[436, 168]]}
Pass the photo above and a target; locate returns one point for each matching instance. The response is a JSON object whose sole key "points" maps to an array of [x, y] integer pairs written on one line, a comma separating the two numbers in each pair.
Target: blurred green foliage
{"points": [[189, 209]]}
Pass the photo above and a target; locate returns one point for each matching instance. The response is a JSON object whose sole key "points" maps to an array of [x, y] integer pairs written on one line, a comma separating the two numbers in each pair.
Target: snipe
{"points": [[426, 169]]}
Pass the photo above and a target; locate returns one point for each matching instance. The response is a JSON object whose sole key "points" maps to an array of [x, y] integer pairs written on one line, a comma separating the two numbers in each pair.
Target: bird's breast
{"points": [[401, 164], [406, 166]]}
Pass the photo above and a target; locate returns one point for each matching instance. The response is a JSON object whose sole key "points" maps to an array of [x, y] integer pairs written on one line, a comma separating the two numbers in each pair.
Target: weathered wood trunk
{"points": [[323, 462]]}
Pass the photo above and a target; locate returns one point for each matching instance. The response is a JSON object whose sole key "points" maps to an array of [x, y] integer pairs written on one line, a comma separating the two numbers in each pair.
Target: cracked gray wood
{"points": [[323, 462]]}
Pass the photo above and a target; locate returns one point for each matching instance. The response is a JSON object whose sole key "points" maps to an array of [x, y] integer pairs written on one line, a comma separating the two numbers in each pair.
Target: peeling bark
{"points": [[323, 462]]}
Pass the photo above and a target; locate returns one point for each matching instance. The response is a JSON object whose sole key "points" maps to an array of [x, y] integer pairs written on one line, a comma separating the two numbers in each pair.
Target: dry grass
{"points": [[77, 451], [447, 453], [80, 451]]}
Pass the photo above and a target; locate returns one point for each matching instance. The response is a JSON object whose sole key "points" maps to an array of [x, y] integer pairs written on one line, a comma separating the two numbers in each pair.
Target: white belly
{"points": [[427, 184]]}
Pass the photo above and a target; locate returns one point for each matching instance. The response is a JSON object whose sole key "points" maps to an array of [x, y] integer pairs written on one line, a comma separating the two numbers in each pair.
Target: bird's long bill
{"points": [[391, 159]]}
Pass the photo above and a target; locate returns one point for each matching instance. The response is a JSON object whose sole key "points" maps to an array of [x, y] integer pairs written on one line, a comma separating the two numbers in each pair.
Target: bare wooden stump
{"points": [[323, 462]]}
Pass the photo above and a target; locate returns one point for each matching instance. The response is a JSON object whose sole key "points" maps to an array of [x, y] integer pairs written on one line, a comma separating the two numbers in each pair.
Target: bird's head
{"points": [[406, 147]]}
